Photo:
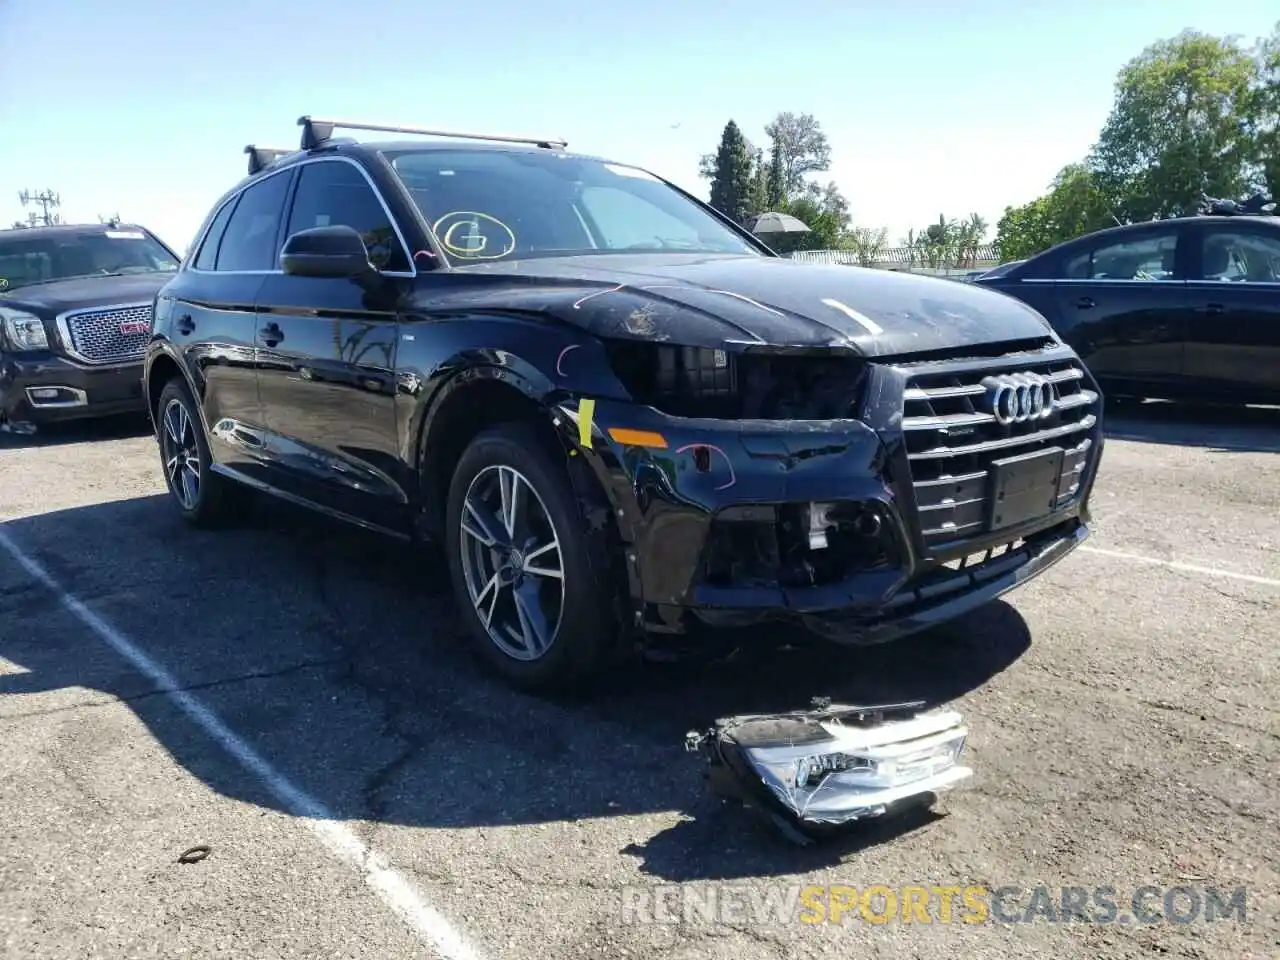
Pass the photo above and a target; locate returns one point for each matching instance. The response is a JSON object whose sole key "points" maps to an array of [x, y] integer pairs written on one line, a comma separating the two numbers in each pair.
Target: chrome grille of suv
{"points": [[117, 335], [952, 439]]}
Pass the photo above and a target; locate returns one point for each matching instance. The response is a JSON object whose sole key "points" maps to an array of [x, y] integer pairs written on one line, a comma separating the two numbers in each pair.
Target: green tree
{"points": [[800, 148], [1265, 112], [776, 195], [731, 180], [1181, 126], [1075, 204], [759, 185]]}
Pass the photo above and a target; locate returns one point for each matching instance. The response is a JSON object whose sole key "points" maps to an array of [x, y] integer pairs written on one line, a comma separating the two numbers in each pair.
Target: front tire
{"points": [[531, 579], [203, 498]]}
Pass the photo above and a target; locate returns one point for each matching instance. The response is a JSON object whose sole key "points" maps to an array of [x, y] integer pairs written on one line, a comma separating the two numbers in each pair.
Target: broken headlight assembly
{"points": [[813, 772], [702, 382]]}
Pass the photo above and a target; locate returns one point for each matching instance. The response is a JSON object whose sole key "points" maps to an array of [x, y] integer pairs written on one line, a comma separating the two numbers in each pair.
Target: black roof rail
{"points": [[262, 157], [316, 132]]}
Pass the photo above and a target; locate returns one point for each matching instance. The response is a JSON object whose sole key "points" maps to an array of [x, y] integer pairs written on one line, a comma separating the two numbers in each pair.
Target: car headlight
{"points": [[813, 771], [685, 381], [23, 331]]}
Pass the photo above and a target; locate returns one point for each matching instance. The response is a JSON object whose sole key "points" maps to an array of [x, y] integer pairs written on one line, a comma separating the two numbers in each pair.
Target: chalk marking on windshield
{"points": [[867, 323], [471, 218]]}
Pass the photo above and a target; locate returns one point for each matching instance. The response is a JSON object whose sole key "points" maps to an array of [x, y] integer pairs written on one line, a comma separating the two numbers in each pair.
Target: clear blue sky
{"points": [[144, 106]]}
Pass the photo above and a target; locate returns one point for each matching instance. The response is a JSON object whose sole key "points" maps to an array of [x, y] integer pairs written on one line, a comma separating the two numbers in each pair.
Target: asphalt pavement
{"points": [[292, 698]]}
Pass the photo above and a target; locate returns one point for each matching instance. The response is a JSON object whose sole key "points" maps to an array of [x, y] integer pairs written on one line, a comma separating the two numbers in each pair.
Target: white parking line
{"points": [[1184, 567], [391, 887]]}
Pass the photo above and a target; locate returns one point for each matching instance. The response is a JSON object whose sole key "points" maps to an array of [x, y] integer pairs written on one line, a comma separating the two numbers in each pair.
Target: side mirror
{"points": [[333, 252]]}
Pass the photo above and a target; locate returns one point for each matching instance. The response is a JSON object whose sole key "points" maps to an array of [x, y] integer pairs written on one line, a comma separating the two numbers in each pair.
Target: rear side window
{"points": [[1149, 257], [208, 255], [335, 193], [249, 240]]}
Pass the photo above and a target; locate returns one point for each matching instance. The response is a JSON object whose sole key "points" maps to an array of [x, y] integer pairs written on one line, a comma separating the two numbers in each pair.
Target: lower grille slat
{"points": [[109, 335]]}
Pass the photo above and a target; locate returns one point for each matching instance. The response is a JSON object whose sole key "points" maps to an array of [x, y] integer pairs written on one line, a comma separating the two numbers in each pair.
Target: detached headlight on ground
{"points": [[819, 769], [23, 330]]}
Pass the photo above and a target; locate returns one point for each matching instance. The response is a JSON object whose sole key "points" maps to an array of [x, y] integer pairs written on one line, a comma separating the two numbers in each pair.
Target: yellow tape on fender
{"points": [[586, 421]]}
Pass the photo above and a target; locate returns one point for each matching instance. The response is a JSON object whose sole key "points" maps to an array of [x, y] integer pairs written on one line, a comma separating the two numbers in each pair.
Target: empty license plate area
{"points": [[1023, 488]]}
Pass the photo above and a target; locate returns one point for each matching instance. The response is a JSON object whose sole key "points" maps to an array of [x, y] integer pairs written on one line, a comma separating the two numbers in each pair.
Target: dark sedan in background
{"points": [[1181, 309]]}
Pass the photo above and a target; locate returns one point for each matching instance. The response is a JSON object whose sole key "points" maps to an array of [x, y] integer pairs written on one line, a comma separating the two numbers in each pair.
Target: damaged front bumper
{"points": [[810, 772], [737, 523]]}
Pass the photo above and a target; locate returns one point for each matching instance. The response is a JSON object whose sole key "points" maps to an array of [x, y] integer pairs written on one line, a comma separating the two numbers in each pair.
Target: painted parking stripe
{"points": [[1184, 567], [390, 886]]}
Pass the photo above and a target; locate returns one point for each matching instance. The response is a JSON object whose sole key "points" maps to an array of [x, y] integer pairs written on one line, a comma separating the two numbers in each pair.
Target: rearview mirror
{"points": [[334, 252]]}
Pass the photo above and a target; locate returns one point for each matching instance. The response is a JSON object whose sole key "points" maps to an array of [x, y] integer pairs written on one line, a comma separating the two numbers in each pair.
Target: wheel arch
{"points": [[473, 399], [164, 365]]}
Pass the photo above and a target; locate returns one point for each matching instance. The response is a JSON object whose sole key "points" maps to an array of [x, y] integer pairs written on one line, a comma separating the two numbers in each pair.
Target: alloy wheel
{"points": [[512, 562], [181, 454]]}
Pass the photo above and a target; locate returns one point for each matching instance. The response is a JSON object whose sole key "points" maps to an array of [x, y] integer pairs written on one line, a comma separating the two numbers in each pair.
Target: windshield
{"points": [[28, 258], [495, 205]]}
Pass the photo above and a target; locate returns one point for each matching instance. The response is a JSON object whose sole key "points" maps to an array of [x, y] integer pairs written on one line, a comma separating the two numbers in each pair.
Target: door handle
{"points": [[185, 324], [1085, 303], [271, 334], [1215, 308]]}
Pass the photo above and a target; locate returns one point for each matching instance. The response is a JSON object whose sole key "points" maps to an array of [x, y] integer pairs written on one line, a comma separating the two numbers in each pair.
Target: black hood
{"points": [[702, 300], [59, 295]]}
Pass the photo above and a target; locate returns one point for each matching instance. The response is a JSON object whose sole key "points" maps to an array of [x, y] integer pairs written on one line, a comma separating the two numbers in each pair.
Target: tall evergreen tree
{"points": [[777, 189], [731, 180]]}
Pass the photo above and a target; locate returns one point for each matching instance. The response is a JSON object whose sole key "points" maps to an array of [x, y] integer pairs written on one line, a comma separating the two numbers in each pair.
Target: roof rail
{"points": [[262, 157], [315, 132]]}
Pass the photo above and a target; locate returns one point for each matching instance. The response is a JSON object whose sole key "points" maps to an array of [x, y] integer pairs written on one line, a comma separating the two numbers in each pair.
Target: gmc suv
{"points": [[622, 414], [75, 317]]}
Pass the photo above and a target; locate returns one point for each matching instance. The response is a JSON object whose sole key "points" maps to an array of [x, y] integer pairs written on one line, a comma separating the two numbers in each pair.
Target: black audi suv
{"points": [[75, 318], [620, 413]]}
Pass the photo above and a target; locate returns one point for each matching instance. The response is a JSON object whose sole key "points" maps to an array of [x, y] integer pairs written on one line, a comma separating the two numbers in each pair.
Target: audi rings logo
{"points": [[1019, 397]]}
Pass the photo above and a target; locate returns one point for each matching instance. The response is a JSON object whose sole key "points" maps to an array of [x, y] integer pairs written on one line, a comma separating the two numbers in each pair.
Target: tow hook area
{"points": [[813, 773]]}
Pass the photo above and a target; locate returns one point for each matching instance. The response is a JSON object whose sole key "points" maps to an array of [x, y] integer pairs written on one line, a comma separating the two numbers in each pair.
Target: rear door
{"points": [[1124, 299], [326, 350], [1234, 340], [211, 321]]}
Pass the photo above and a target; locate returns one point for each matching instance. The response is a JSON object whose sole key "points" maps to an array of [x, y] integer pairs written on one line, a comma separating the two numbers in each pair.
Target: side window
{"points": [[1149, 257], [334, 193], [249, 240], [208, 254], [1241, 256], [624, 220]]}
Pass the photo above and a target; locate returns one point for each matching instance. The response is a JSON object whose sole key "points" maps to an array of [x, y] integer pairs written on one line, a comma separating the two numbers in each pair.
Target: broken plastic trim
{"points": [[814, 771]]}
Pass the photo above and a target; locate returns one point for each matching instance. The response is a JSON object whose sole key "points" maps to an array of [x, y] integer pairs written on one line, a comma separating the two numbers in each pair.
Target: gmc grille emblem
{"points": [[130, 327], [1019, 397]]}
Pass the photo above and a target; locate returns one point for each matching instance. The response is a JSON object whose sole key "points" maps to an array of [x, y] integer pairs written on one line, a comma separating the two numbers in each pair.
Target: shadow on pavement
{"points": [[337, 656], [1216, 427], [80, 431]]}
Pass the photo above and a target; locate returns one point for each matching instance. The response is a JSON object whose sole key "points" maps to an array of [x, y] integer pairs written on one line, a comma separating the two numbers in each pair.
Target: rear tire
{"points": [[203, 498], [544, 634]]}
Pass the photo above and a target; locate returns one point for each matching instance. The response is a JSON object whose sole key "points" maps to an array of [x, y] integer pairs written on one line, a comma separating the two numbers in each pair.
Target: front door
{"points": [[1125, 303], [326, 359], [1234, 342]]}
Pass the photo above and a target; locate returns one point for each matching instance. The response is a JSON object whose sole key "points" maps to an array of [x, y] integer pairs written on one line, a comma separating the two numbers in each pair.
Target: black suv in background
{"points": [[1180, 309], [621, 414], [75, 318]]}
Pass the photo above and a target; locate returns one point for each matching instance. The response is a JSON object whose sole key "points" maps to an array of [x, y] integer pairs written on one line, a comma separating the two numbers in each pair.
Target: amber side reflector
{"points": [[638, 438]]}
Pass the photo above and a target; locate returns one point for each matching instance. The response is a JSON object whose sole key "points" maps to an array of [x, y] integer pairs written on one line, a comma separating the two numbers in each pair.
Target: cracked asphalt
{"points": [[1123, 715]]}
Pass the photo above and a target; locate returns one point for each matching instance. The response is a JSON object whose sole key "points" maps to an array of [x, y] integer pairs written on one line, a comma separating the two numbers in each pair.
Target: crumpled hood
{"points": [[47, 299], [702, 300]]}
